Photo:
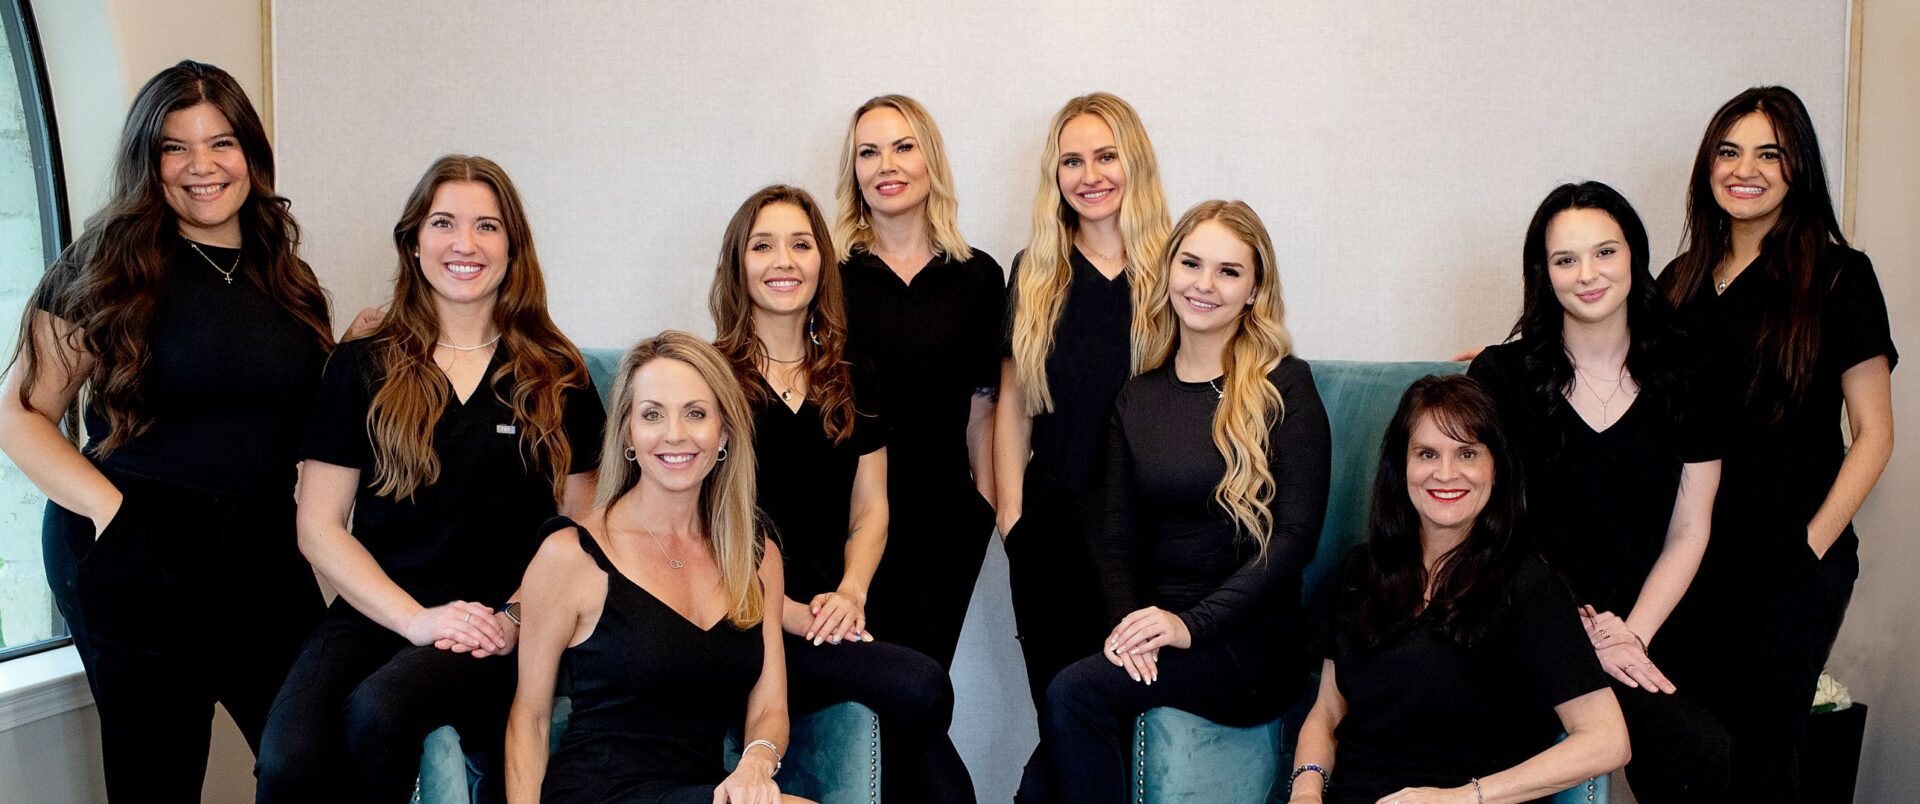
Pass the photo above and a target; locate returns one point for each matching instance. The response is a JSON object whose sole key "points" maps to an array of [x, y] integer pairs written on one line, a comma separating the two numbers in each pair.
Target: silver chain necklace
{"points": [[225, 273], [490, 341], [1618, 384], [671, 561]]}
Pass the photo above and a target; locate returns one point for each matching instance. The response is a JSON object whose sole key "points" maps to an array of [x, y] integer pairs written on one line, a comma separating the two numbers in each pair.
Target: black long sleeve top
{"points": [[1166, 543]]}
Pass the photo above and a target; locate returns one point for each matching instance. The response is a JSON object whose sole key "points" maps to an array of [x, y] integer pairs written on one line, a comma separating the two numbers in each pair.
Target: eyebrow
{"points": [[794, 233], [165, 138], [1761, 146], [1223, 263], [687, 404], [1100, 150], [907, 138]]}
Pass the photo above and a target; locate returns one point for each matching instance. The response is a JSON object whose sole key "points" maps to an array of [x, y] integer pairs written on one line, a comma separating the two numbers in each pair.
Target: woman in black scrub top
{"points": [[198, 333], [437, 446], [1605, 417], [820, 444], [1797, 320], [1216, 488], [1078, 306], [925, 309], [1452, 655]]}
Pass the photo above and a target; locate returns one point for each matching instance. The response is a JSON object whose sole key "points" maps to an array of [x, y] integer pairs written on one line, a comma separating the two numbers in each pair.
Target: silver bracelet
{"points": [[1477, 793], [770, 748]]}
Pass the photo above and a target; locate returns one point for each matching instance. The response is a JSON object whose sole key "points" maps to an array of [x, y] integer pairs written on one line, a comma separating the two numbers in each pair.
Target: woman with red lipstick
{"points": [[1452, 655], [1216, 488], [437, 446], [1079, 305], [198, 333], [925, 309], [1621, 462], [820, 446], [1770, 286]]}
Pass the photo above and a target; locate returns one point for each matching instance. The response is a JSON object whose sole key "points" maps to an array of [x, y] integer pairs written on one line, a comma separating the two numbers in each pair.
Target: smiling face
{"points": [[782, 261], [1449, 480], [1092, 178], [463, 244], [203, 174], [1749, 175], [889, 164], [1210, 283], [675, 428], [1589, 264]]}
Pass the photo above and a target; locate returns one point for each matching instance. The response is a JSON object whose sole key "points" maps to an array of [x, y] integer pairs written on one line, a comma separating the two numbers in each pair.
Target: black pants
{"points": [[936, 542], [186, 600], [913, 698], [1681, 753], [349, 724], [1754, 643], [1056, 599], [1086, 728]]}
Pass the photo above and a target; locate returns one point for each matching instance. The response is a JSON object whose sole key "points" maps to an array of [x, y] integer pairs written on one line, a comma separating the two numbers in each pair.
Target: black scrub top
{"points": [[1601, 501], [1778, 471], [228, 381], [470, 534], [1424, 712], [806, 480], [931, 342], [1091, 357]]}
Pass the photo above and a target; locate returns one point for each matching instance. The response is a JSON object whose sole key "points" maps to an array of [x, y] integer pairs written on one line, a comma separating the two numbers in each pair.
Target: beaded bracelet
{"points": [[1326, 777], [1477, 793]]}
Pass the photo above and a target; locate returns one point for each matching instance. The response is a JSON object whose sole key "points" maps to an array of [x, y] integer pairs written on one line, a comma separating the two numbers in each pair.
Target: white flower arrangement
{"points": [[1830, 695]]}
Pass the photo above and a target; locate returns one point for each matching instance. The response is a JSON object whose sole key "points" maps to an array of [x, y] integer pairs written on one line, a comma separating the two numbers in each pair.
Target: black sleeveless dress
{"points": [[653, 697]]}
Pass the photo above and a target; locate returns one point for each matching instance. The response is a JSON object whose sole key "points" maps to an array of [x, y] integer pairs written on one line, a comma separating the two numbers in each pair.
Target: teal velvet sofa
{"points": [[834, 757], [1181, 757]]}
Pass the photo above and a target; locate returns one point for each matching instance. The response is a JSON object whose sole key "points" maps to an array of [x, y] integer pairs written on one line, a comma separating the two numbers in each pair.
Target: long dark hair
{"points": [[829, 378], [1790, 333], [107, 284], [1387, 579], [1542, 318], [413, 395]]}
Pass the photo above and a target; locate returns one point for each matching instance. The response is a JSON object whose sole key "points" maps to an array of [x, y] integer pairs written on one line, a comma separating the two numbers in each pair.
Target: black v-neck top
{"points": [[931, 342], [228, 382], [1092, 352], [1166, 543], [1600, 501], [806, 480], [1777, 473], [470, 534]]}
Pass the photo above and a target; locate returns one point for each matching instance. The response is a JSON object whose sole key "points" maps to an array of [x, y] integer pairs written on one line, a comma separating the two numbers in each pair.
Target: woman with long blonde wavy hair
{"points": [[1080, 322], [437, 446], [663, 601], [1217, 466], [925, 308]]}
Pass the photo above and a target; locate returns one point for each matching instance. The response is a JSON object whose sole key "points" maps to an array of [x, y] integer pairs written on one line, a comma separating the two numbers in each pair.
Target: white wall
{"points": [[1878, 653]]}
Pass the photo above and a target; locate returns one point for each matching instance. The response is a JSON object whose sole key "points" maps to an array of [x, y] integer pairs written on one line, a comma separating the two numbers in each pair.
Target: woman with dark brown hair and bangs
{"points": [[187, 315], [447, 436], [820, 439]]}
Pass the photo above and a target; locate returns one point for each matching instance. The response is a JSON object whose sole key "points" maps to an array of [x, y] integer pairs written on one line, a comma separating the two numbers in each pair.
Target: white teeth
{"points": [[676, 458], [1202, 305], [1095, 195], [206, 190], [1449, 495], [464, 270], [783, 283]]}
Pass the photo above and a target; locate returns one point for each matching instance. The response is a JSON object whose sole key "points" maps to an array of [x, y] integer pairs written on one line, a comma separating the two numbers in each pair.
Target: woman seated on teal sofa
{"points": [[661, 601], [1218, 463], [1449, 646]]}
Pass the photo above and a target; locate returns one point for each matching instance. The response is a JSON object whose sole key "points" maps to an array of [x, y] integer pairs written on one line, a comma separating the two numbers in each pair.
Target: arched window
{"points": [[33, 229]]}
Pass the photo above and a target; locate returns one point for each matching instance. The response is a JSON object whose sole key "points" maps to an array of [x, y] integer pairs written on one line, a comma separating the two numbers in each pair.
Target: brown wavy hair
{"points": [[413, 392], [829, 379], [107, 284]]}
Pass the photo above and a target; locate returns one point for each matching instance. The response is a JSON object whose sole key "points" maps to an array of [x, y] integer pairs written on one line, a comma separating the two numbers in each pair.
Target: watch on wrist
{"points": [[512, 611]]}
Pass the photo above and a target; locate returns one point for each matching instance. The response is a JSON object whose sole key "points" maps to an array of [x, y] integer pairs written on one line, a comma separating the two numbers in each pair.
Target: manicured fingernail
{"points": [[867, 637], [816, 642]]}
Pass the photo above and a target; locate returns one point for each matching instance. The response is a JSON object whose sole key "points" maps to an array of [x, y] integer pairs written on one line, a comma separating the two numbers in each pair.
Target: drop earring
{"points": [[631, 454], [723, 453], [811, 335]]}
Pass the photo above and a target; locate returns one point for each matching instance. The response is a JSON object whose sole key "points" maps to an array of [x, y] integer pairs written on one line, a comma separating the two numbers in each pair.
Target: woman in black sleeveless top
{"points": [[658, 605]]}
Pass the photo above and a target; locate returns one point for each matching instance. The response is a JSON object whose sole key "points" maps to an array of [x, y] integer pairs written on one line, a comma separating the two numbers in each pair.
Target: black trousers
{"points": [[1752, 644], [913, 698], [1681, 753], [1056, 598], [186, 600], [1086, 728], [936, 542], [349, 724]]}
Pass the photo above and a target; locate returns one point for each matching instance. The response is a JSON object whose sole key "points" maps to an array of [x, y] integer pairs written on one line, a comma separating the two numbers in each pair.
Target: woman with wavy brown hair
{"points": [[820, 444], [186, 314], [1217, 470], [437, 446]]}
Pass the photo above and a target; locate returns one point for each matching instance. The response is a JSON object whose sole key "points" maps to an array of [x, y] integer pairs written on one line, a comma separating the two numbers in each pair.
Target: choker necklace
{"points": [[490, 341], [671, 561], [772, 359], [225, 273]]}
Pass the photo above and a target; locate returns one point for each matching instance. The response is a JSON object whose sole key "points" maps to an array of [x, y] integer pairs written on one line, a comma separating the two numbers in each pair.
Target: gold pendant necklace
{"points": [[226, 273]]}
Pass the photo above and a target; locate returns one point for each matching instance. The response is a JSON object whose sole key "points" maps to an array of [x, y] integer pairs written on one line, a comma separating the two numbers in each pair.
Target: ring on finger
{"points": [[468, 618]]}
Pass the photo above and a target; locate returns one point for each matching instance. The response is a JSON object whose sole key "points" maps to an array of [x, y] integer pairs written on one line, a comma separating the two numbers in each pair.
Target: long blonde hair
{"points": [[1045, 273], [727, 493], [943, 209], [1249, 404]]}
